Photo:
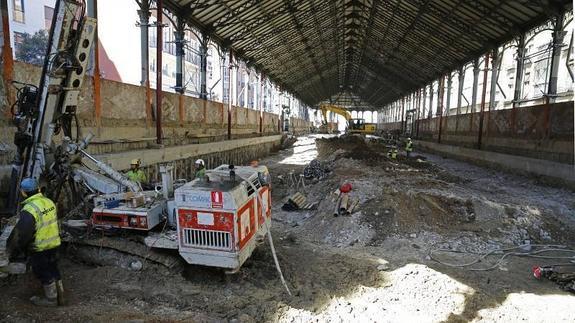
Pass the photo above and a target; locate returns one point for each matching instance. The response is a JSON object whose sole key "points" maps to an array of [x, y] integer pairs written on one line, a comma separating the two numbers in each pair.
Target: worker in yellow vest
{"points": [[200, 167], [37, 234], [135, 174], [408, 147], [392, 153]]}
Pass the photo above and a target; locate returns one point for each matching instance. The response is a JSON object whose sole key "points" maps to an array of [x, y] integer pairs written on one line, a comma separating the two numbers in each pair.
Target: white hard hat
{"points": [[409, 139], [199, 162]]}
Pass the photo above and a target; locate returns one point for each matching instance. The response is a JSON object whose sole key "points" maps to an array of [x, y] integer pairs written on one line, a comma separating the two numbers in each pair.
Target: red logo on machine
{"points": [[217, 200]]}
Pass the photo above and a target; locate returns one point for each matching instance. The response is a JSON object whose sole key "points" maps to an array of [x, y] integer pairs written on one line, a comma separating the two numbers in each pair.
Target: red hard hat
{"points": [[345, 188]]}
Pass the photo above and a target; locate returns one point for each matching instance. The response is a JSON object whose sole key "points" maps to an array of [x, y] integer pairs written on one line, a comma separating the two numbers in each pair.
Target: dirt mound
{"points": [[405, 214], [327, 146]]}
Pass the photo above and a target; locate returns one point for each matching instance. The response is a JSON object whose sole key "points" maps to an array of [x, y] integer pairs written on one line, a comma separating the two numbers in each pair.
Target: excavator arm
{"points": [[335, 109]]}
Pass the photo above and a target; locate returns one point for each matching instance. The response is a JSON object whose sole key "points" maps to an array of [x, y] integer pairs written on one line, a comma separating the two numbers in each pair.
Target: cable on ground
{"points": [[505, 253]]}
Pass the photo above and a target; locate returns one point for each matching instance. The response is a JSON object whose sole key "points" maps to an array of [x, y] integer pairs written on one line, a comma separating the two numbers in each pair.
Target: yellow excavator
{"points": [[354, 125]]}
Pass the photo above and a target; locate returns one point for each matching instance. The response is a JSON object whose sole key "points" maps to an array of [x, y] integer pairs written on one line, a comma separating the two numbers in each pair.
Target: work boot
{"points": [[50, 296], [61, 294]]}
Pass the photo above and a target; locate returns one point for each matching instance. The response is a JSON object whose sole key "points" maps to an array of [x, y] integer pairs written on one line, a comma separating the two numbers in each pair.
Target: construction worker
{"points": [[135, 174], [37, 234], [392, 153], [408, 147], [200, 168]]}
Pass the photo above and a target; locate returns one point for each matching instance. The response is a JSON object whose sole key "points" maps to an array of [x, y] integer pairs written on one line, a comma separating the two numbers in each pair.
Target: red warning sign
{"points": [[217, 200]]}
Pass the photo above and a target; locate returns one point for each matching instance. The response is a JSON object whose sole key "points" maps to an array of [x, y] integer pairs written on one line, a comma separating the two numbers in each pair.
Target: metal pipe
{"points": [[112, 173], [483, 96], [159, 72]]}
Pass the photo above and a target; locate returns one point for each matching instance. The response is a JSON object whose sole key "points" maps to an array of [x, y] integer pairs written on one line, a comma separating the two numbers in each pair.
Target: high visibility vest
{"points": [[44, 212], [137, 176], [200, 173], [409, 146]]}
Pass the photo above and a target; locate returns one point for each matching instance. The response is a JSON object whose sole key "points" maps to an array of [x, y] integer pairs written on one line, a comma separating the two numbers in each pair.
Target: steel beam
{"points": [[448, 98], [179, 35], [423, 97], [204, 42], [92, 9], [475, 84], [159, 52], [231, 66], [144, 14], [494, 77], [144, 23], [483, 97], [440, 94], [558, 35], [430, 114], [7, 55], [261, 103], [461, 81], [519, 69], [459, 95]]}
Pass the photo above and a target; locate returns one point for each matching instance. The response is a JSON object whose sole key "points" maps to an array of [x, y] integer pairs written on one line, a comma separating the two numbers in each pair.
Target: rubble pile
{"points": [[315, 170], [407, 198]]}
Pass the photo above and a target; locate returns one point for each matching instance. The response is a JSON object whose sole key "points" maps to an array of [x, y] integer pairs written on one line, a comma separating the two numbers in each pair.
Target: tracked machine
{"points": [[354, 125], [216, 221]]}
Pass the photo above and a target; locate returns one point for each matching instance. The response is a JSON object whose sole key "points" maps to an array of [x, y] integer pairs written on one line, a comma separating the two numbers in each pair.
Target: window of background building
{"points": [[48, 14], [18, 39], [18, 10]]}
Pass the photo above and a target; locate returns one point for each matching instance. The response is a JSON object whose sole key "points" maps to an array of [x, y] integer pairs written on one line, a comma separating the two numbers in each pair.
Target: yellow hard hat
{"points": [[135, 162]]}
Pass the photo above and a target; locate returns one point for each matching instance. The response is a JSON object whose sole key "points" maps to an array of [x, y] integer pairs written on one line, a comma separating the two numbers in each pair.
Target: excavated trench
{"points": [[371, 265]]}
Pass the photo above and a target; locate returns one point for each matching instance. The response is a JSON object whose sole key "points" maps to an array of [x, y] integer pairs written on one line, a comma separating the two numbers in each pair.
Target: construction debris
{"points": [[562, 274], [345, 204], [315, 170], [298, 202]]}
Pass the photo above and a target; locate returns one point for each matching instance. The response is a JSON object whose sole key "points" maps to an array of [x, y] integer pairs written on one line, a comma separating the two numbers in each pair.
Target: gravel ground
{"points": [[374, 265]]}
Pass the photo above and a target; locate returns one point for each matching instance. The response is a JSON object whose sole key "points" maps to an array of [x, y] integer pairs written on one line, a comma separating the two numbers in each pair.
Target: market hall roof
{"points": [[376, 50]]}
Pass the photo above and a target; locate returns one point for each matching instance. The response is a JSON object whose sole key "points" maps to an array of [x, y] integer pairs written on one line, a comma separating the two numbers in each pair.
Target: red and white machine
{"points": [[140, 211], [221, 220]]}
